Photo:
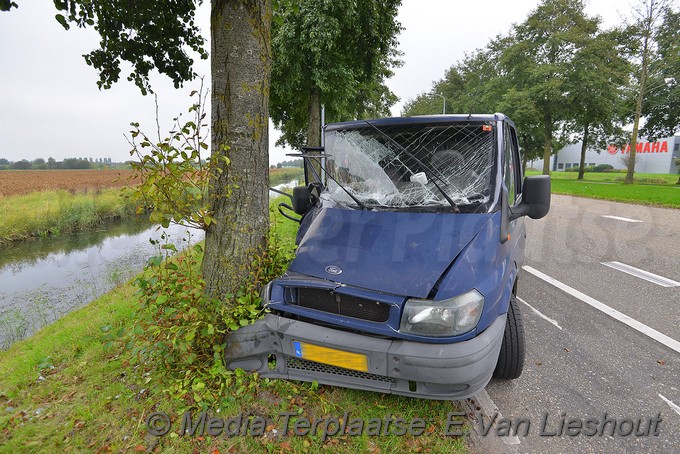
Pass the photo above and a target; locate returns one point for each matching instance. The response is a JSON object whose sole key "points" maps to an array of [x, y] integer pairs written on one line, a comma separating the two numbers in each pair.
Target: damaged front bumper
{"points": [[271, 347]]}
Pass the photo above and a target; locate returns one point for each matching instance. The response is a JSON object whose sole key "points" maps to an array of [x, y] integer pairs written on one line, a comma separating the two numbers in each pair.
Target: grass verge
{"points": [[649, 189], [69, 389], [284, 175], [46, 213]]}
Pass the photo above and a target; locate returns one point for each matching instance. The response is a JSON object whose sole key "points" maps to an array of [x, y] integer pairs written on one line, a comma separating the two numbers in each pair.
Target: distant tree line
{"points": [[291, 163], [67, 163], [563, 78]]}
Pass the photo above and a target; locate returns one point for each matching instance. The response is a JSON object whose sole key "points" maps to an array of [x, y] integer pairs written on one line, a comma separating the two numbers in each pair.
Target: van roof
{"points": [[420, 119]]}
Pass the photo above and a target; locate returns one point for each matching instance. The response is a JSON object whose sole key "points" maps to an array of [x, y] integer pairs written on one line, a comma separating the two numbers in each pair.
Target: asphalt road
{"points": [[599, 340]]}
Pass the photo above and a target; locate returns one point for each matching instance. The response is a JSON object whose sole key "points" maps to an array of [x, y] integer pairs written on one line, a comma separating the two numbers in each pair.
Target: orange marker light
{"points": [[487, 128]]}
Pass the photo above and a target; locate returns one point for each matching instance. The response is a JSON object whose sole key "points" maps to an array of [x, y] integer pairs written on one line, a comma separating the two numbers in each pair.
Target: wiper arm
{"points": [[318, 157], [420, 163]]}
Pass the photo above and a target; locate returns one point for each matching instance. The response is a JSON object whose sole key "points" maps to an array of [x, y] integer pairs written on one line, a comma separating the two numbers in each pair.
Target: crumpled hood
{"points": [[393, 252]]}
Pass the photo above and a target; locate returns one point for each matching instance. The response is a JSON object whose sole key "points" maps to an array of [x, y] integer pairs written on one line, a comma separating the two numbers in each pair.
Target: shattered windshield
{"points": [[409, 166]]}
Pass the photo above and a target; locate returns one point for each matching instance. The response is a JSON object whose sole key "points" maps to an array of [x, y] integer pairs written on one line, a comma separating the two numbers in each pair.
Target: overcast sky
{"points": [[50, 104]]}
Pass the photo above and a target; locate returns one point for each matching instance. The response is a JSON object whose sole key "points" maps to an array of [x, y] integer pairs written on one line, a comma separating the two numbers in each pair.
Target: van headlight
{"points": [[449, 317]]}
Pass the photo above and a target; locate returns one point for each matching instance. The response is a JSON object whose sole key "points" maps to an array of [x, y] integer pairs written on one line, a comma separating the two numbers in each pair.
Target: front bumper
{"points": [[432, 371]]}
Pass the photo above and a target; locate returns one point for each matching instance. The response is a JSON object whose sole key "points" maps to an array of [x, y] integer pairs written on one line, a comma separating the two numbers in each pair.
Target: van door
{"points": [[512, 175]]}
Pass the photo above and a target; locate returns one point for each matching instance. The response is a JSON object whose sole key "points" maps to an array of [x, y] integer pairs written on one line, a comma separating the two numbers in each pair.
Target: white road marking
{"points": [[642, 274], [489, 407], [544, 317], [619, 218], [623, 318], [671, 404]]}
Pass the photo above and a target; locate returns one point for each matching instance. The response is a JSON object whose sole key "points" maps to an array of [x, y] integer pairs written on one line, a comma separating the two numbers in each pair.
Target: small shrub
{"points": [[179, 331], [603, 168], [173, 175]]}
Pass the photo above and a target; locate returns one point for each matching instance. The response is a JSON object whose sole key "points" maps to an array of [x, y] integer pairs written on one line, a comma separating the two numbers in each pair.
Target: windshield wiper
{"points": [[318, 156], [420, 163]]}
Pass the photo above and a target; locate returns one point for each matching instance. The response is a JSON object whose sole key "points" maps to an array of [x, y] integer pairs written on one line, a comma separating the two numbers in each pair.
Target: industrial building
{"points": [[651, 157]]}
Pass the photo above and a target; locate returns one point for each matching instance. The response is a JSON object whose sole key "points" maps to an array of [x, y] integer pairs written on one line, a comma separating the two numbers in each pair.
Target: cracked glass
{"points": [[412, 166]]}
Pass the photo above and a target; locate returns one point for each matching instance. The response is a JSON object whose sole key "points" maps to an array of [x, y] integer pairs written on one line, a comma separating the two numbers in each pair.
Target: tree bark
{"points": [[650, 11], [547, 144], [314, 116], [630, 159], [314, 130], [241, 67], [584, 147]]}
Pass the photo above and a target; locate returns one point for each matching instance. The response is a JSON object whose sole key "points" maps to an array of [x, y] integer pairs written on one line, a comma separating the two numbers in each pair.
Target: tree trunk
{"points": [[630, 159], [314, 117], [630, 162], [584, 147], [240, 67], [314, 130], [547, 144]]}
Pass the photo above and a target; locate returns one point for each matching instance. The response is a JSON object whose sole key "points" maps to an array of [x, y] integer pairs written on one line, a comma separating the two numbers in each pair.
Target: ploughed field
{"points": [[18, 182]]}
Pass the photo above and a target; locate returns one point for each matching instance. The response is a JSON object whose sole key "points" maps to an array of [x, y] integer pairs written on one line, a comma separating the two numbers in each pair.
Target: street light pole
{"points": [[444, 98]]}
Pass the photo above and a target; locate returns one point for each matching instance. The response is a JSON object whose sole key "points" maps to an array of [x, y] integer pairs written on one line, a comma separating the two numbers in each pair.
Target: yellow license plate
{"points": [[331, 356]]}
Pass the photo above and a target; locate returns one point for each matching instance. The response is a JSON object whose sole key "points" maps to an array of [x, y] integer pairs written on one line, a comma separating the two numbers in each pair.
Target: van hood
{"points": [[400, 253]]}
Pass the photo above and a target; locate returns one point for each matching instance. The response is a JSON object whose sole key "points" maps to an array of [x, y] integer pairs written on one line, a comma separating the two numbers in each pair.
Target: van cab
{"points": [[410, 240]]}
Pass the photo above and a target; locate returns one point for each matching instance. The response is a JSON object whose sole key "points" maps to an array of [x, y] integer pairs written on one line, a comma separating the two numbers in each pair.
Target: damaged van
{"points": [[410, 241]]}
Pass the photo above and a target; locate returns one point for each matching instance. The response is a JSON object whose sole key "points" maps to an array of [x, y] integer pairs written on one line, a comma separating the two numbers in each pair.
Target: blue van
{"points": [[410, 240]]}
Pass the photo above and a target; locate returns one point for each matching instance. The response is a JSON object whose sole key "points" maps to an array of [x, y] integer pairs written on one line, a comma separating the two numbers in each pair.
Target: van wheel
{"points": [[511, 359]]}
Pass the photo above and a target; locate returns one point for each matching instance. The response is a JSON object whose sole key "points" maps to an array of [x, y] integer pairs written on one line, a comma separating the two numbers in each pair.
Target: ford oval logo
{"points": [[334, 270]]}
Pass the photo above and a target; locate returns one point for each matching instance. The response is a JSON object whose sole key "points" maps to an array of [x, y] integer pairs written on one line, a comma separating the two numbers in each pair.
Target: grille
{"points": [[311, 366], [350, 306]]}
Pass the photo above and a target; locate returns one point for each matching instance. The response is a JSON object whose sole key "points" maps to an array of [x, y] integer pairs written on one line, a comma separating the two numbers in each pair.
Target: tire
{"points": [[511, 359]]}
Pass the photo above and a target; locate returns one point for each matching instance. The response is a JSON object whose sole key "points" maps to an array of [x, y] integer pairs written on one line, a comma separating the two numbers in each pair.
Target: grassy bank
{"points": [[70, 389], [54, 212], [649, 189], [284, 175]]}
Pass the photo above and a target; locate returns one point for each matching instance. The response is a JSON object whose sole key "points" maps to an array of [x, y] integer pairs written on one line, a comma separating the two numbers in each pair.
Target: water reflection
{"points": [[283, 187], [42, 280]]}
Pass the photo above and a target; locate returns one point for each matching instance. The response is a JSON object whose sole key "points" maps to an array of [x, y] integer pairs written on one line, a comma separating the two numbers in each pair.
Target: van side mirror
{"points": [[302, 200], [535, 198]]}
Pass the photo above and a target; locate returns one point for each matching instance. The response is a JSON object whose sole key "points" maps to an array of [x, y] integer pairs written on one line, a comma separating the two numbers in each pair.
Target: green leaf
{"points": [[155, 261], [171, 266], [62, 20], [156, 217]]}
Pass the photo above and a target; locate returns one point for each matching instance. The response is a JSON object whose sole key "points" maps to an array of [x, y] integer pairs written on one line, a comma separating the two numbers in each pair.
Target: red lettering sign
{"points": [[641, 147]]}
